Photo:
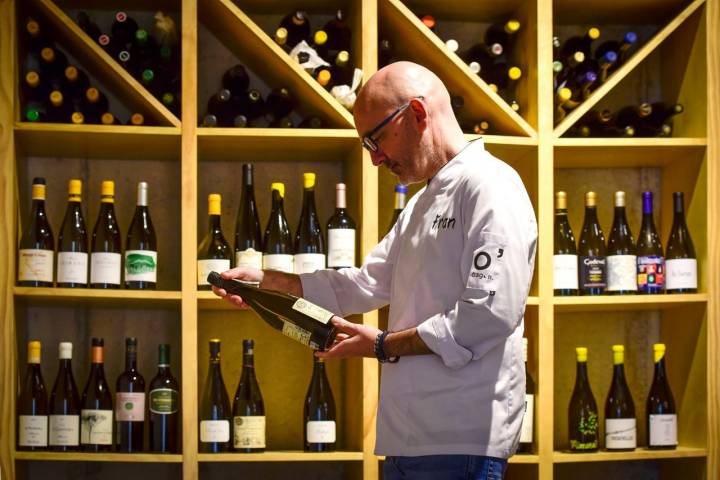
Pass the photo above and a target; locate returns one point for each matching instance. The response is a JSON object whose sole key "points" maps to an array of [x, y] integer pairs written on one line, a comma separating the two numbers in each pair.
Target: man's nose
{"points": [[377, 158]]}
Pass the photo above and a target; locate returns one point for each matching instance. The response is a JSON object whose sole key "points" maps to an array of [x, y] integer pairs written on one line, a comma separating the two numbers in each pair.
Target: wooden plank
{"points": [[282, 456], [627, 302], [639, 454], [676, 153], [602, 12], [105, 68], [626, 68], [97, 298], [97, 457]]}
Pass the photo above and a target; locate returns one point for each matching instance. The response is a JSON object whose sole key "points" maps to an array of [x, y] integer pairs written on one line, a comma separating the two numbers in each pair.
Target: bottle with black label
{"points": [[32, 405], [64, 408], [37, 247], [72, 261], [106, 247], [680, 258], [248, 407], [621, 259], [214, 251], [309, 242], [248, 241], [277, 243], [215, 413], [320, 432], [650, 259], [526, 432], [341, 233], [660, 407], [565, 259], [592, 262], [620, 423], [164, 406]]}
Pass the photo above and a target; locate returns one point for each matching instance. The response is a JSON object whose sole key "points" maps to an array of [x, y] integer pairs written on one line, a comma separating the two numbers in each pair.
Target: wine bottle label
{"points": [[620, 433], [278, 261], [96, 427], [296, 333], [105, 267], [313, 311], [650, 273], [663, 430], [341, 247], [593, 272], [249, 432], [681, 273], [565, 272], [35, 265], [130, 407], [250, 258], [214, 431], [163, 401], [72, 267], [308, 262], [204, 267], [621, 273], [64, 430], [140, 266], [33, 430], [321, 432], [526, 432]]}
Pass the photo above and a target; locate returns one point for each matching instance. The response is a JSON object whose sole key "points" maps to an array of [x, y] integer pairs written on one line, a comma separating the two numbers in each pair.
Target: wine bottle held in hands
{"points": [[214, 251]]}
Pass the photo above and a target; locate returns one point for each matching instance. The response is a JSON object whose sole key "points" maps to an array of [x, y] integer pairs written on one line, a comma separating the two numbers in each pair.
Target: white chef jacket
{"points": [[458, 266]]}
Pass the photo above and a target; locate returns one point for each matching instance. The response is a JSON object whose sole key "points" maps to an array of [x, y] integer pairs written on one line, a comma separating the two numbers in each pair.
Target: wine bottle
{"points": [[621, 258], [650, 260], [501, 76], [320, 428], [297, 25], [130, 403], [123, 28], [164, 405], [58, 109], [36, 40], [214, 251], [32, 405], [309, 244], [620, 48], [342, 70], [221, 107], [277, 246], [294, 317], [565, 259], [279, 103], [620, 423], [52, 62], [37, 246], [76, 81], [250, 104], [341, 233], [72, 262], [248, 242], [215, 410], [660, 408], [64, 408], [96, 408], [88, 26], [339, 34], [236, 80], [141, 246], [580, 43], [582, 412], [281, 37], [385, 53], [680, 258], [526, 432], [94, 105], [592, 262], [106, 247], [400, 194], [248, 407], [502, 34]]}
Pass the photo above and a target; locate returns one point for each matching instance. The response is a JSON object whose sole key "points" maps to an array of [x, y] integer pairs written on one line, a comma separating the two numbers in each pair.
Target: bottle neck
{"points": [[660, 369], [678, 213], [618, 373], [590, 215], [340, 199], [65, 364], [647, 221], [309, 200], [214, 224], [107, 209], [38, 207], [620, 215], [248, 361], [131, 361], [581, 376]]}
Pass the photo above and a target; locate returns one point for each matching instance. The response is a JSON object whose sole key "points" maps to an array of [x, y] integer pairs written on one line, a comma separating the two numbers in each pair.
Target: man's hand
{"points": [[352, 340], [238, 273]]}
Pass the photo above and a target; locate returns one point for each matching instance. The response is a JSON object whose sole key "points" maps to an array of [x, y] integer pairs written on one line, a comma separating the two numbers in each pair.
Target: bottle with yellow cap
{"points": [[52, 61], [31, 88], [215, 413], [661, 413], [141, 261], [339, 34], [592, 260], [96, 412], [37, 245], [72, 262], [34, 35], [620, 422], [214, 252], [501, 76], [32, 405], [76, 81], [621, 259], [565, 259], [94, 104], [248, 240], [106, 244], [582, 412], [503, 34], [59, 107], [341, 233], [342, 70], [309, 244], [277, 241], [280, 38], [297, 25]]}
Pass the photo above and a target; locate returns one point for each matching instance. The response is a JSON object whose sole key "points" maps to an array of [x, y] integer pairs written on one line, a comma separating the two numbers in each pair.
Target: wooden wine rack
{"points": [[186, 162]]}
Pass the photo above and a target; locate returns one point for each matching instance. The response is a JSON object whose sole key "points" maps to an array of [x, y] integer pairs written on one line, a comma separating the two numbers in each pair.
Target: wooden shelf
{"points": [[601, 12], [98, 457], [282, 456], [627, 302], [639, 454], [97, 298], [626, 152]]}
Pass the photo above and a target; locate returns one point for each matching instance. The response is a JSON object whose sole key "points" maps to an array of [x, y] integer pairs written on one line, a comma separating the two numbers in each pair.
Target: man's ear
{"points": [[419, 110]]}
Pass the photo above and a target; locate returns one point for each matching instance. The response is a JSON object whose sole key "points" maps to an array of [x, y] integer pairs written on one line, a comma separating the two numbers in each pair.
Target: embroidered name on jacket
{"points": [[442, 223]]}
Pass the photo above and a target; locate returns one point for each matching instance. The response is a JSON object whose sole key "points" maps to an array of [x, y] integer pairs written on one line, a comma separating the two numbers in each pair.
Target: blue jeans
{"points": [[444, 467]]}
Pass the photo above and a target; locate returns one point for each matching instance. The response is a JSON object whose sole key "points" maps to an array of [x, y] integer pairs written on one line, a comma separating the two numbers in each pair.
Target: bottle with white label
{"points": [[320, 432], [130, 403], [37, 246], [106, 245], [64, 408], [96, 407], [215, 413], [662, 422], [341, 233], [277, 243], [621, 259], [680, 258], [650, 259], [72, 261], [32, 405], [309, 244], [248, 407], [620, 422], [214, 252], [141, 247], [526, 432], [565, 259], [248, 240]]}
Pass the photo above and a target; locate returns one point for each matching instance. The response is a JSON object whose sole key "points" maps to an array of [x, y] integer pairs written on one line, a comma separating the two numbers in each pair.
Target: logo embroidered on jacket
{"points": [[442, 223]]}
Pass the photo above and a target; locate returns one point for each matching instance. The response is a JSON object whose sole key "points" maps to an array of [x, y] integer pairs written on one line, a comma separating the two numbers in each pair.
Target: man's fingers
{"points": [[343, 325], [220, 292]]}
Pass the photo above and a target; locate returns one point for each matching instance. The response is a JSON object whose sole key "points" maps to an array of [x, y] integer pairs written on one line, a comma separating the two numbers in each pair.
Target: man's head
{"points": [[404, 115]]}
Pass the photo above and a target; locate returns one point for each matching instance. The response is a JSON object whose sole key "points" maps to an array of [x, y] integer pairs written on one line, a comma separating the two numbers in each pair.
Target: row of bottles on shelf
{"points": [[101, 257], [278, 249], [620, 416], [642, 120], [242, 428], [622, 265], [68, 421]]}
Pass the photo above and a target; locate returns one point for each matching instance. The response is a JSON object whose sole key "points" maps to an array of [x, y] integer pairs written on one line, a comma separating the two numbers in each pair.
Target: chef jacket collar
{"points": [[445, 174]]}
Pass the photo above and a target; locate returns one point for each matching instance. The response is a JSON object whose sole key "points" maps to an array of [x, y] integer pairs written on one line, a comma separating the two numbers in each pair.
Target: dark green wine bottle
{"points": [[32, 405], [248, 407], [660, 407], [650, 259], [565, 259], [37, 246], [582, 413], [680, 258], [64, 406], [130, 403], [592, 262], [620, 422], [215, 413], [320, 430], [621, 258], [214, 252], [106, 246], [164, 406], [248, 241], [277, 243], [141, 246], [309, 241]]}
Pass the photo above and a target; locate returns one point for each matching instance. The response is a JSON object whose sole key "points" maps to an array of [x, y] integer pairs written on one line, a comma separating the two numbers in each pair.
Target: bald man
{"points": [[456, 270]]}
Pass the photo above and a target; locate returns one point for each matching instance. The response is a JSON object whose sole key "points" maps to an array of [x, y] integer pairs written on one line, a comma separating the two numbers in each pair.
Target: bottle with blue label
{"points": [[650, 259]]}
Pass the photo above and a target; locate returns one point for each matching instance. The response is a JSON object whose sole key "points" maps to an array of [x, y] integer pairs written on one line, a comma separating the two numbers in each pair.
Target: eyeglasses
{"points": [[369, 142]]}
